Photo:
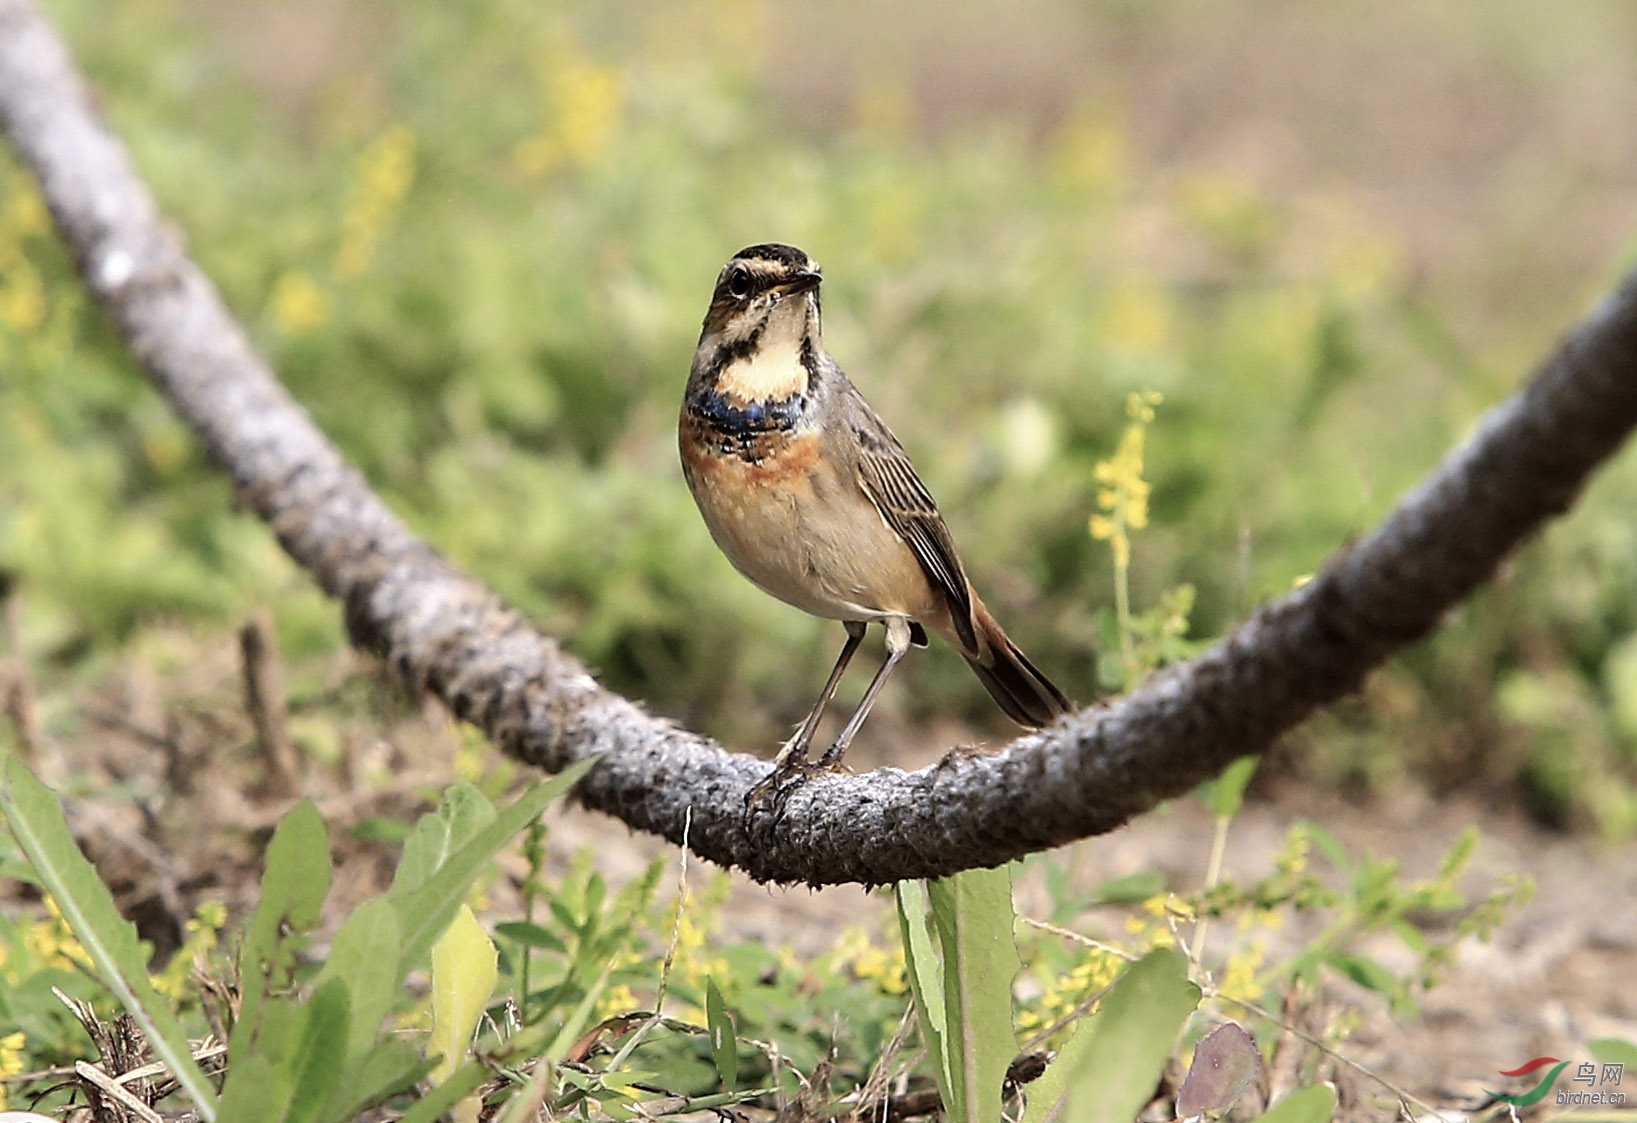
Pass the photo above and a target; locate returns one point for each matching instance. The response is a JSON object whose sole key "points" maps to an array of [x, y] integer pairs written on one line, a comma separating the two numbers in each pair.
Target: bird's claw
{"points": [[774, 791]]}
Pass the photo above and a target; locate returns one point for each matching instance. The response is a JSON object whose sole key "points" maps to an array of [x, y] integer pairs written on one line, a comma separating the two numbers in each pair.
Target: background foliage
{"points": [[476, 241]]}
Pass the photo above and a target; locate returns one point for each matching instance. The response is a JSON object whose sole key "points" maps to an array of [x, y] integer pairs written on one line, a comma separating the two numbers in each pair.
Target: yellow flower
{"points": [[617, 999], [873, 963], [1239, 974], [297, 304], [581, 110], [1138, 322], [381, 179], [11, 1060]]}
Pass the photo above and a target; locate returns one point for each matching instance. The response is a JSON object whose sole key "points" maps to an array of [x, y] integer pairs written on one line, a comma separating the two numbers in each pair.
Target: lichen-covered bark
{"points": [[1087, 774]]}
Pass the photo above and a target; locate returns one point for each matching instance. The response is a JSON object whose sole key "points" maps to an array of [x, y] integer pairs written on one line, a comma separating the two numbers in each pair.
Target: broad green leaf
{"points": [[1614, 1050], [1314, 1104], [972, 912], [35, 817], [390, 1067], [424, 912], [311, 1066], [724, 1041], [1111, 1064], [293, 887], [463, 978], [364, 955], [462, 813], [256, 1092], [925, 977]]}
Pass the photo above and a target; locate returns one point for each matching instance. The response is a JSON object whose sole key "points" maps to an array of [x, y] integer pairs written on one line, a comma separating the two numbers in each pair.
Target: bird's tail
{"points": [[1027, 696]]}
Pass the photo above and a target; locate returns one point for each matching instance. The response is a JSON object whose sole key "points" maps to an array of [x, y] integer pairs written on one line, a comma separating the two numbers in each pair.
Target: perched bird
{"points": [[809, 494]]}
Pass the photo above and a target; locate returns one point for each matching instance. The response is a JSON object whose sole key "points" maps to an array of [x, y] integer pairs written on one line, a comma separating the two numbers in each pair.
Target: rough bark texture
{"points": [[1087, 774]]}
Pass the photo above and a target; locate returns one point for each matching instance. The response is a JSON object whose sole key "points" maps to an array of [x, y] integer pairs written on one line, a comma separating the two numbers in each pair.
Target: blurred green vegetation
{"points": [[478, 253]]}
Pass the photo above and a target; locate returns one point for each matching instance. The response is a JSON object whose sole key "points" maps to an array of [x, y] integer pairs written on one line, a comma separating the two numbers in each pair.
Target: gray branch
{"points": [[1087, 774]]}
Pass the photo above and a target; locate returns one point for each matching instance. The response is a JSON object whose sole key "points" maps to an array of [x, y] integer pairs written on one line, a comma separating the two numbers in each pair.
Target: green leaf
{"points": [[925, 978], [1328, 844], [972, 913], [1614, 1051], [724, 1041], [1225, 794], [625, 1081], [311, 1066], [462, 813], [1132, 889], [364, 954], [35, 817], [463, 978], [425, 911], [1111, 1064], [1364, 971], [1314, 1104], [293, 888], [390, 1067], [256, 1092], [430, 1107], [531, 935]]}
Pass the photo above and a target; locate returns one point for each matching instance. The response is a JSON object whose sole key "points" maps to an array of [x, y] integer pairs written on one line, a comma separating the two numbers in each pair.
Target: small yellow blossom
{"points": [[1239, 974], [297, 304], [1137, 322], [22, 288], [872, 963], [581, 104], [381, 179], [204, 932], [50, 942], [11, 1060], [1123, 500], [616, 1000], [1091, 153]]}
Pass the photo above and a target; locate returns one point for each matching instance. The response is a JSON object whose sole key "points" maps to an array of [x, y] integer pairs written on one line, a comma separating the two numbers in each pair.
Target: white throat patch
{"points": [[774, 369]]}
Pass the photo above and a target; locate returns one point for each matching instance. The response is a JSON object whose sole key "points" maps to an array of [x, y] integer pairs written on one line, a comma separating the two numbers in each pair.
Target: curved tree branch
{"points": [[1086, 774]]}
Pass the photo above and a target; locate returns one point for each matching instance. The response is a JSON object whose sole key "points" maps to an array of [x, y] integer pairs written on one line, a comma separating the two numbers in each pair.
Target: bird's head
{"points": [[766, 294]]}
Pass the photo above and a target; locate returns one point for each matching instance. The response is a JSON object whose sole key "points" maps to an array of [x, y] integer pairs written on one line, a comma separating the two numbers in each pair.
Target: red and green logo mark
{"points": [[1539, 1091]]}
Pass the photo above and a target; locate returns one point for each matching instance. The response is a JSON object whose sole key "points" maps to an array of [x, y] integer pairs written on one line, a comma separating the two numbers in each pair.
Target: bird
{"points": [[810, 495]]}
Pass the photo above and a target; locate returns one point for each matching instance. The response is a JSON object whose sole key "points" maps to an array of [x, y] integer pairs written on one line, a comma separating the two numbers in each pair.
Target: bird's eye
{"points": [[739, 283]]}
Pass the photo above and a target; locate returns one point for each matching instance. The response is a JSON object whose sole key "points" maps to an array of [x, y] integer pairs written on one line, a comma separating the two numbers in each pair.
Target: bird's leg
{"points": [[796, 748], [899, 638], [792, 758]]}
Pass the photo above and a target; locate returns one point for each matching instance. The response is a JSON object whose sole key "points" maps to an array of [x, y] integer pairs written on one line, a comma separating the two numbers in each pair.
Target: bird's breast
{"points": [[789, 518]]}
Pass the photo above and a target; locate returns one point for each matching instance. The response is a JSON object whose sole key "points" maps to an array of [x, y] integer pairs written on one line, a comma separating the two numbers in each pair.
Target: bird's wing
{"points": [[890, 481]]}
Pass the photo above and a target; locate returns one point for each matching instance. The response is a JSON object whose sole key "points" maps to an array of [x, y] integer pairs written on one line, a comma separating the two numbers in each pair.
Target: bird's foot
{"points": [[771, 794]]}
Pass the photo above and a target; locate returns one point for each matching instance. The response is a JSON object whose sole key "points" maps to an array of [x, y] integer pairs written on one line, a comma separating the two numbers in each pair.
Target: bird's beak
{"points": [[805, 281]]}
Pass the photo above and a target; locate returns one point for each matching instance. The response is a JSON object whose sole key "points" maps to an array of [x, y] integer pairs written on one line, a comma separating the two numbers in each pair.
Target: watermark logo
{"points": [[1601, 1084]]}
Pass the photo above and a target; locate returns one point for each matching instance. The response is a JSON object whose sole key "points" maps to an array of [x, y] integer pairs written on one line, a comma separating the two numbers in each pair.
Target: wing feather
{"points": [[890, 481]]}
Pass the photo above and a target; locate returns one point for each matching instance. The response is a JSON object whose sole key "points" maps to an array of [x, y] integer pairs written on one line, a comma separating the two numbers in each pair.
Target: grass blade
{"points": [[724, 1041], [35, 816]]}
